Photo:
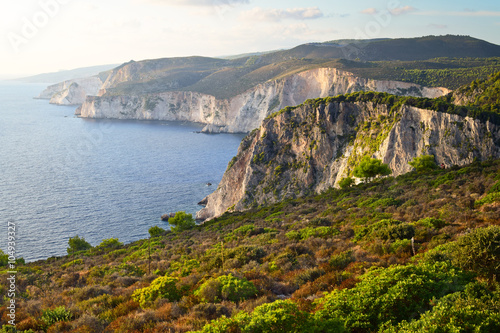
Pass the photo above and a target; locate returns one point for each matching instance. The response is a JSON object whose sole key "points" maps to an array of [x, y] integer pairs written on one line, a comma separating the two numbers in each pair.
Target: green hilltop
{"points": [[448, 61]]}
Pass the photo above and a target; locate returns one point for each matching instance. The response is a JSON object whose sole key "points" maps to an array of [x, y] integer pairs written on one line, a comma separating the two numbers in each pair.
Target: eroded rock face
{"points": [[311, 148], [72, 92], [246, 111]]}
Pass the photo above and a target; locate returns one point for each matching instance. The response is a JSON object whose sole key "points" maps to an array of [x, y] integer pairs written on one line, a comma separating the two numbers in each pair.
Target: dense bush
{"points": [[370, 168], [77, 244], [473, 310], [156, 231], [346, 182], [181, 221], [279, 316], [162, 287], [388, 296], [50, 317], [386, 229], [423, 163], [226, 287], [479, 251]]}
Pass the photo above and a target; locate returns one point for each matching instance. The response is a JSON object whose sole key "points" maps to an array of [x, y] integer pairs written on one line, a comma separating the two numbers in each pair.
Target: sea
{"points": [[62, 176]]}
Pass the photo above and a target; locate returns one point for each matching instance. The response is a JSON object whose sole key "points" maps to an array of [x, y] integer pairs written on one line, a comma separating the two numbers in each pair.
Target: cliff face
{"points": [[311, 148], [245, 111], [72, 92]]}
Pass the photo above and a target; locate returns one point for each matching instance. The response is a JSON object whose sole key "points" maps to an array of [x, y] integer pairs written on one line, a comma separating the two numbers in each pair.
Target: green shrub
{"points": [[309, 232], [50, 317], [77, 244], [162, 287], [110, 243], [431, 222], [226, 287], [341, 260], [473, 310], [397, 231], [389, 295], [156, 231], [489, 198], [280, 317], [479, 251], [385, 229], [370, 168], [346, 182], [495, 188], [423, 163], [181, 221], [72, 263], [385, 202]]}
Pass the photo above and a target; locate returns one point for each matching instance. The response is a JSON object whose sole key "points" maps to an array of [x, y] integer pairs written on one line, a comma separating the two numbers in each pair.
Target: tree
{"points": [[423, 163], [110, 243], [78, 244], [181, 221], [346, 182], [156, 231], [370, 168]]}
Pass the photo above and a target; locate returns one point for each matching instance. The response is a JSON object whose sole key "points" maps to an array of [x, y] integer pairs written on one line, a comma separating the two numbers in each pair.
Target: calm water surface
{"points": [[62, 176]]}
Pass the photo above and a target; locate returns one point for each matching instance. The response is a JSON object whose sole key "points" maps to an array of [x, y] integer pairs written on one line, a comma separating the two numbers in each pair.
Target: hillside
{"points": [[484, 94], [228, 78], [311, 147], [354, 244]]}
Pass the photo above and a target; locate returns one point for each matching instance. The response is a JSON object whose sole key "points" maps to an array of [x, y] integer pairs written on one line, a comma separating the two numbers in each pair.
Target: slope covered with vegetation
{"points": [[413, 253], [417, 60], [479, 99]]}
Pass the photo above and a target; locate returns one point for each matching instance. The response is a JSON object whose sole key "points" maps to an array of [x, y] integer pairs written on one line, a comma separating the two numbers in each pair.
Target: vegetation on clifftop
{"points": [[485, 105], [343, 260]]}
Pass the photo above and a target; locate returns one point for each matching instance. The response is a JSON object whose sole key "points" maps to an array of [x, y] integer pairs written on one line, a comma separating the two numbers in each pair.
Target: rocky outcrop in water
{"points": [[311, 148], [245, 111]]}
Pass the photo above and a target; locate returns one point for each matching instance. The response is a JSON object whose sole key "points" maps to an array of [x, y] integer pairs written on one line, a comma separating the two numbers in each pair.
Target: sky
{"points": [[40, 36]]}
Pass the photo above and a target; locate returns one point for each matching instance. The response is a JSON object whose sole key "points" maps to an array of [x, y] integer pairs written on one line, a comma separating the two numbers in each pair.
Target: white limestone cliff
{"points": [[311, 148], [245, 111], [72, 92]]}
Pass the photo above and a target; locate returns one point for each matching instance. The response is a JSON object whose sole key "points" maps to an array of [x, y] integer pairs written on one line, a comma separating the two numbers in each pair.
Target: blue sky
{"points": [[49, 35]]}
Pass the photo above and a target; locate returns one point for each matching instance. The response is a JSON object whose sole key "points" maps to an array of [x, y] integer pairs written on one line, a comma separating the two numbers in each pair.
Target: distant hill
{"points": [[66, 74], [243, 55], [225, 78]]}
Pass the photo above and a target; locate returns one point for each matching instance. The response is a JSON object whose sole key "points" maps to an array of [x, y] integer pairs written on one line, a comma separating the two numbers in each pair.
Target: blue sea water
{"points": [[62, 176]]}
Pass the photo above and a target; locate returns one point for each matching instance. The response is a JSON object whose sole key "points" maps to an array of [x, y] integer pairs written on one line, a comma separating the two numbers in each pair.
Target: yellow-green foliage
{"points": [[381, 298], [162, 287], [309, 232], [489, 198], [226, 287], [479, 251], [72, 263]]}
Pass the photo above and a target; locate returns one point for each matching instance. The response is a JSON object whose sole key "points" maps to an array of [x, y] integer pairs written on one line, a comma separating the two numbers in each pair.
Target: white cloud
{"points": [[276, 15], [370, 11], [468, 13], [403, 10], [198, 2]]}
